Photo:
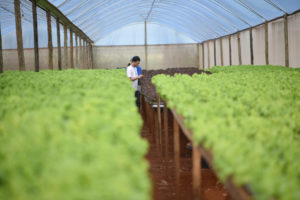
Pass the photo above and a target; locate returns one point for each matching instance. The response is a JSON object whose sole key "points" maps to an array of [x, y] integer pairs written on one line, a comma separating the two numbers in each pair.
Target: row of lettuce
{"points": [[249, 117], [71, 135]]}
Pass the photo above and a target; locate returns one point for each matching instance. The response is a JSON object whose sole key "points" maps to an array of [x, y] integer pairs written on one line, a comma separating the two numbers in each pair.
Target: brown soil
{"points": [[148, 89], [162, 170]]}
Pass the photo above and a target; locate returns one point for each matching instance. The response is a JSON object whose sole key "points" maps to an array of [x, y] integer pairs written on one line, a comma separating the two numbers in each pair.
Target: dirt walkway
{"points": [[162, 170]]}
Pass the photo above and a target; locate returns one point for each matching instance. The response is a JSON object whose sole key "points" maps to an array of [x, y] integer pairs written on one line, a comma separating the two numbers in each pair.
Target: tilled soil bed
{"points": [[148, 89]]}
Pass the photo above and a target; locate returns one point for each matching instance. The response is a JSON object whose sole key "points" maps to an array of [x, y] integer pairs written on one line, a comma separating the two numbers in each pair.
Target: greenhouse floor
{"points": [[162, 171]]}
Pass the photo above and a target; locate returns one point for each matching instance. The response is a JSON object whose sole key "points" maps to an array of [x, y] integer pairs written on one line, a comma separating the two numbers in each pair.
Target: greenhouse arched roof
{"points": [[199, 20]]}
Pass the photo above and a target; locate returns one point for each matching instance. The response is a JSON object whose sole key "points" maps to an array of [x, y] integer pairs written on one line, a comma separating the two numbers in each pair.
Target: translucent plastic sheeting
{"points": [[245, 47], [294, 39], [218, 52], [276, 43], [199, 20], [134, 35], [159, 56], [211, 54], [259, 45], [234, 50], [8, 27], [225, 45]]}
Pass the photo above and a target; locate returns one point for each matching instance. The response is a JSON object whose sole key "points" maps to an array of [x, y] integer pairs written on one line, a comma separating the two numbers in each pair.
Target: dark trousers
{"points": [[137, 96]]}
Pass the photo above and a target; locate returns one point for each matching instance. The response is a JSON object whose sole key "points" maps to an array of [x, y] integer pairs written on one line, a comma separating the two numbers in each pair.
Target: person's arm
{"points": [[135, 78]]}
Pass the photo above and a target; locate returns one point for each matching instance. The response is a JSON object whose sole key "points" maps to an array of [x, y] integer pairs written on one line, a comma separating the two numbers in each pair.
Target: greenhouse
{"points": [[149, 99]]}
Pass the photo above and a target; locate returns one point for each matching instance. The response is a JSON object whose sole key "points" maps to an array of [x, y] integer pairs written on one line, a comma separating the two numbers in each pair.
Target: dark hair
{"points": [[135, 59], [128, 64]]}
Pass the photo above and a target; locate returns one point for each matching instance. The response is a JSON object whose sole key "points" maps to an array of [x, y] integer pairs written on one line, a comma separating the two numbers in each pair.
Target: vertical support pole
{"points": [[65, 58], [177, 156], [166, 129], [87, 54], [50, 45], [230, 52], [156, 131], [221, 51], [80, 53], [208, 56], [58, 44], [286, 41], [35, 37], [159, 118], [203, 59], [239, 48], [146, 45], [1, 55], [196, 172], [76, 50], [152, 122], [198, 55], [215, 56], [83, 54], [19, 35], [91, 56], [71, 50], [251, 46], [267, 42]]}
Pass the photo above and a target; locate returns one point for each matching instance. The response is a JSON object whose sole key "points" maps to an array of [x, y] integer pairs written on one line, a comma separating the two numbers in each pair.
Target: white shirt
{"points": [[132, 73]]}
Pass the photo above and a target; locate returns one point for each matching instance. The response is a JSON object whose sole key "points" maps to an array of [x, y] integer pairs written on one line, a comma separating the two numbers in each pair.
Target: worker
{"points": [[132, 74]]}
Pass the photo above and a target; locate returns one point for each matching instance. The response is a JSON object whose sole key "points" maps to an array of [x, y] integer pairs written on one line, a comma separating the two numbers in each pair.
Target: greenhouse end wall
{"points": [[159, 56]]}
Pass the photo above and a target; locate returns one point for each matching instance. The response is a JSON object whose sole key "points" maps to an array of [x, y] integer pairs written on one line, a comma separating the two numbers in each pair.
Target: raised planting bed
{"points": [[148, 89], [71, 134], [247, 120]]}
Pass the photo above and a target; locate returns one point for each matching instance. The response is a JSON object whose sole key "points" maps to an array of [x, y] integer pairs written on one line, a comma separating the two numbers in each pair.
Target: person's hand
{"points": [[140, 76]]}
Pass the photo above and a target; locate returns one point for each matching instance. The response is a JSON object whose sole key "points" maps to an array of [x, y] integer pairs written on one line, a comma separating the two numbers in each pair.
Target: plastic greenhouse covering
{"points": [[122, 22]]}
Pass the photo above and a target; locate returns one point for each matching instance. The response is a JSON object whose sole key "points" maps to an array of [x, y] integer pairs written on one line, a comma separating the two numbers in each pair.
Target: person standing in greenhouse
{"points": [[132, 74]]}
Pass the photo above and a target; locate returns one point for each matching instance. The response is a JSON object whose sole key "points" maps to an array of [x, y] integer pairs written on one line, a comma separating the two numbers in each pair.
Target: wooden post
{"points": [[58, 44], [267, 42], [159, 118], [203, 59], [286, 41], [1, 55], [251, 46], [208, 56], [91, 56], [65, 58], [166, 129], [71, 50], [196, 172], [76, 50], [80, 52], [177, 156], [87, 55], [35, 37], [50, 45], [221, 52], [198, 55], [83, 54], [230, 56], [215, 56], [239, 49], [19, 35]]}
